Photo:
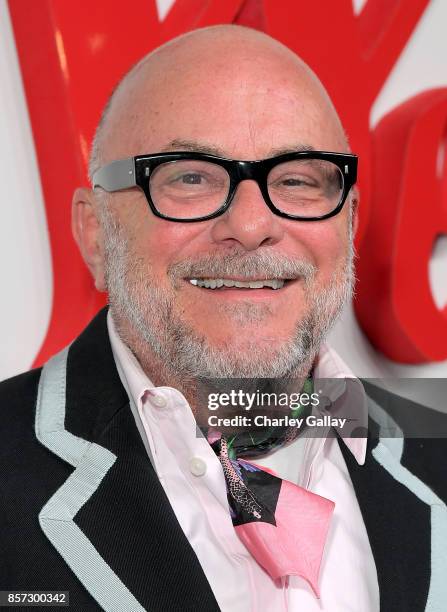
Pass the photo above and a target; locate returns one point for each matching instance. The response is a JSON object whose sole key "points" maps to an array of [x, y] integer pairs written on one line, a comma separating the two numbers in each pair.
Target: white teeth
{"points": [[275, 283], [216, 283]]}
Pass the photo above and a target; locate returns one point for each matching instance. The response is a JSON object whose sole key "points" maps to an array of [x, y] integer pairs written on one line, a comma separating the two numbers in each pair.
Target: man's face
{"points": [[249, 114]]}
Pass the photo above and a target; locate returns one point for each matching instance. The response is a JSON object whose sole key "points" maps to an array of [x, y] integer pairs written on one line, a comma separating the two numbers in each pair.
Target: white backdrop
{"points": [[26, 276]]}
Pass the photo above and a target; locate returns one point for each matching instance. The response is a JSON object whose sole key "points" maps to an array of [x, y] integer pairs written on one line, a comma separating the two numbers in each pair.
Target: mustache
{"points": [[254, 264]]}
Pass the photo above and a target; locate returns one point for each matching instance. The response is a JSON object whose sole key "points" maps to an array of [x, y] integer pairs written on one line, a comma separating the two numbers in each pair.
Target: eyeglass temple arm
{"points": [[119, 174]]}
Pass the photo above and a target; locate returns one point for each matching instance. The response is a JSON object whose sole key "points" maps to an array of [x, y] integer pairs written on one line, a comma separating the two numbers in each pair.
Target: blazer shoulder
{"points": [[20, 387], [18, 397]]}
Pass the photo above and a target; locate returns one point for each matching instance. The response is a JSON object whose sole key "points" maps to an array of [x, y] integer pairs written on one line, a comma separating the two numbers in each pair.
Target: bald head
{"points": [[229, 74]]}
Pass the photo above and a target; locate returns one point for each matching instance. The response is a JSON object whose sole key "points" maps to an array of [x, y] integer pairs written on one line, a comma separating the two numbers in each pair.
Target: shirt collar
{"points": [[134, 380], [331, 368], [328, 366]]}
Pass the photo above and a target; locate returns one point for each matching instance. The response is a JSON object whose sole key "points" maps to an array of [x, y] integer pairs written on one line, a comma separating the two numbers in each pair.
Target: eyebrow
{"points": [[297, 148], [197, 147]]}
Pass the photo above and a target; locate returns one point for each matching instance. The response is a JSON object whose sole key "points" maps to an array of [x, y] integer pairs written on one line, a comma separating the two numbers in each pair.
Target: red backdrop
{"points": [[72, 54]]}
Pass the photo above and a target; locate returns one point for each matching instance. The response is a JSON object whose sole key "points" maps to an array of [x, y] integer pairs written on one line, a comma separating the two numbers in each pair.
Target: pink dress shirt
{"points": [[192, 478]]}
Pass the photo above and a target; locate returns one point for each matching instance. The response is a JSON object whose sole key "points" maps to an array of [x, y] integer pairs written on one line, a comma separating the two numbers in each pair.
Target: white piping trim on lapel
{"points": [[92, 462], [388, 453]]}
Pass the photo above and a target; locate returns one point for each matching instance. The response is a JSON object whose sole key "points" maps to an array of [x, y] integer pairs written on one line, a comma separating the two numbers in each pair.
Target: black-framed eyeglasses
{"points": [[186, 186]]}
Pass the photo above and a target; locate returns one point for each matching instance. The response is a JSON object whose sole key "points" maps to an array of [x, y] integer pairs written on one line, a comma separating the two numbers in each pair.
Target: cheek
{"points": [[327, 244], [143, 237], [171, 237], [159, 243]]}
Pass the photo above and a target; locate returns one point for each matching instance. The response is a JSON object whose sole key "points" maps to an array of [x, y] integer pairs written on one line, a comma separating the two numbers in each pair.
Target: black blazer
{"points": [[83, 511]]}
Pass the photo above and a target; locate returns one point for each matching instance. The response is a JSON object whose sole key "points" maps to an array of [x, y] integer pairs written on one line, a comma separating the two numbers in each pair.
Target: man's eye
{"points": [[293, 182], [191, 179]]}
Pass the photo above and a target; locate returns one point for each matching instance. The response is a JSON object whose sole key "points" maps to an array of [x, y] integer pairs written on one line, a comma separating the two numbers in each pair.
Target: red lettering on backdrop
{"points": [[394, 303], [71, 55]]}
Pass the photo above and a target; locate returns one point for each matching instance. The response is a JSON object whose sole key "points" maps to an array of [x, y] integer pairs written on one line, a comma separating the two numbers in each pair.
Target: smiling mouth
{"points": [[224, 283]]}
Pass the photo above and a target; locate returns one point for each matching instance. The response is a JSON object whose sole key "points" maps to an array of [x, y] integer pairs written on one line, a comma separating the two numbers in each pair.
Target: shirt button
{"points": [[158, 400], [197, 466]]}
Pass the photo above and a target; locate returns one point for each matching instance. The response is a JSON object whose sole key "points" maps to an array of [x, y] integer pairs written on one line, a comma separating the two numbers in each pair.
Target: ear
{"points": [[355, 199], [87, 233]]}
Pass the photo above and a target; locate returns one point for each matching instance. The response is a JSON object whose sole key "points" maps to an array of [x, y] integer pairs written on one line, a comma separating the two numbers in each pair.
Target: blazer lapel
{"points": [[405, 519], [111, 520]]}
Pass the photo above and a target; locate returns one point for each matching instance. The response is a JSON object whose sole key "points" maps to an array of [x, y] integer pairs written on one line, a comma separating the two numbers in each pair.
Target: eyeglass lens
{"points": [[186, 189]]}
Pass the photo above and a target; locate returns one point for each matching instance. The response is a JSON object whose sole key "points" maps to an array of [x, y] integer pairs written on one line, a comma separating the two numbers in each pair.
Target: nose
{"points": [[248, 222]]}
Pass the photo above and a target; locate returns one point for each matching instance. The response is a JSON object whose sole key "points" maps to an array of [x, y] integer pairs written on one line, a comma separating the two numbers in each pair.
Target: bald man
{"points": [[220, 223]]}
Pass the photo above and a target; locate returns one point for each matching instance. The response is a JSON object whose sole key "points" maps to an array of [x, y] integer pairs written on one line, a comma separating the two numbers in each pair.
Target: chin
{"points": [[246, 346]]}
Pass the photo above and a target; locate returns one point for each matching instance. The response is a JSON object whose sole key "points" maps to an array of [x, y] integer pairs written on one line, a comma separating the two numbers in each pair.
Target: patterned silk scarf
{"points": [[282, 525]]}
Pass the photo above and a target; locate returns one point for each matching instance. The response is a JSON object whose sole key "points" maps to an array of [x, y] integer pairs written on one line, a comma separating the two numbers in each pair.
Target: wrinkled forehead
{"points": [[243, 99]]}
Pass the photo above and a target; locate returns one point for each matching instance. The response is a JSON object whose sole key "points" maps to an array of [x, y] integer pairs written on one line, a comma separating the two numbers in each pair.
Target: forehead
{"points": [[247, 110]]}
